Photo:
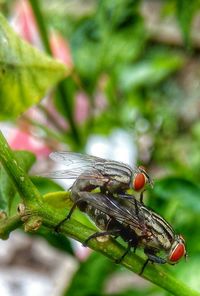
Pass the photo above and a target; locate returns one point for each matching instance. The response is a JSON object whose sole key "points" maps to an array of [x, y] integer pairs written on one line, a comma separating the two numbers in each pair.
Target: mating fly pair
{"points": [[115, 212]]}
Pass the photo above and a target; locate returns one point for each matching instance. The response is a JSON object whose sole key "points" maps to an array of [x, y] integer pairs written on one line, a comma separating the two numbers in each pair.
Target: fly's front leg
{"points": [[151, 254], [156, 259], [142, 196], [153, 258]]}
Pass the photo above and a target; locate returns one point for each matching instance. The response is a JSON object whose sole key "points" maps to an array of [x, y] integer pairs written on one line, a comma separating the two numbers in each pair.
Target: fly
{"points": [[90, 172], [136, 224]]}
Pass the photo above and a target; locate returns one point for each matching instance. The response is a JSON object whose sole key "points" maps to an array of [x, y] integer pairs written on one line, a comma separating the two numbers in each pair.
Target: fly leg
{"points": [[153, 258], [133, 242], [125, 253], [142, 196], [99, 234], [76, 204], [144, 265], [126, 196]]}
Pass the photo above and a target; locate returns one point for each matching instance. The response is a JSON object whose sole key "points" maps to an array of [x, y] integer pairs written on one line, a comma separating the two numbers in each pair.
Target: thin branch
{"points": [[49, 132], [23, 184], [51, 118], [7, 225], [61, 87]]}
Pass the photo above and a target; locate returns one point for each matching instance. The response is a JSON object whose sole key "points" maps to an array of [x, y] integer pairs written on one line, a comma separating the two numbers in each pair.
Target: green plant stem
{"points": [[51, 118], [41, 25], [61, 87], [49, 132], [38, 206], [69, 112], [20, 179], [7, 225]]}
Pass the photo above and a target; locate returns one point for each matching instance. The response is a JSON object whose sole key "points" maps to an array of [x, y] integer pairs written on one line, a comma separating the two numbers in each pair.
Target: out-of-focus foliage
{"points": [[147, 86], [94, 271], [185, 13]]}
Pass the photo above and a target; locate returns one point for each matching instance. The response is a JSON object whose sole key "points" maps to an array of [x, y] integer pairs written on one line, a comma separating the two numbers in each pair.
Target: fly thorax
{"points": [[119, 172]]}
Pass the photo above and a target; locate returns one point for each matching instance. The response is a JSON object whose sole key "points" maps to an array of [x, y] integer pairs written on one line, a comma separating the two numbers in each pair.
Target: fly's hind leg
{"points": [[125, 253], [133, 242], [76, 204]]}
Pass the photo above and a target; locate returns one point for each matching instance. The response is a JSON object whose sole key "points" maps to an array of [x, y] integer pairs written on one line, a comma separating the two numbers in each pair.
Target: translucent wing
{"points": [[88, 174], [78, 164], [114, 209], [75, 160]]}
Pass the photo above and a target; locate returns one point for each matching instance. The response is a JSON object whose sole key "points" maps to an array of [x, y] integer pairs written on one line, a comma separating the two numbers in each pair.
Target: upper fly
{"points": [[91, 172]]}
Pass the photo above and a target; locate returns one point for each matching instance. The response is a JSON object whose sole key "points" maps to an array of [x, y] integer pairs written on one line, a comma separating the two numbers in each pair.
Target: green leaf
{"points": [[61, 202], [90, 278], [45, 185], [181, 190], [107, 34], [185, 11], [26, 74], [149, 72], [7, 189]]}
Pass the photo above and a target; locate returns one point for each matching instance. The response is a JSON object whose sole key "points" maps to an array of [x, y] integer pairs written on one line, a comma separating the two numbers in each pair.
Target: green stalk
{"points": [[23, 184], [39, 210], [7, 225], [51, 134], [41, 25], [61, 88]]}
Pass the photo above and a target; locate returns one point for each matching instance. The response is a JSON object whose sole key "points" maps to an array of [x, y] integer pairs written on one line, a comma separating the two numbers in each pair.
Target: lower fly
{"points": [[136, 224]]}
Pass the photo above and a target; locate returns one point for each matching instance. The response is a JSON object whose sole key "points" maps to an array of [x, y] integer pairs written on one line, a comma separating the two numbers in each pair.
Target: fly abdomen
{"points": [[101, 219], [162, 232]]}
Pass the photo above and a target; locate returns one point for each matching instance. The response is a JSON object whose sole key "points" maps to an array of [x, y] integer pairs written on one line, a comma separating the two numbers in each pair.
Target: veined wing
{"points": [[113, 209], [73, 160], [78, 164], [76, 173]]}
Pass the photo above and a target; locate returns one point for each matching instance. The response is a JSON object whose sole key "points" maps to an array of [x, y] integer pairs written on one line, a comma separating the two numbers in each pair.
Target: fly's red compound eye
{"points": [[177, 252], [139, 181]]}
